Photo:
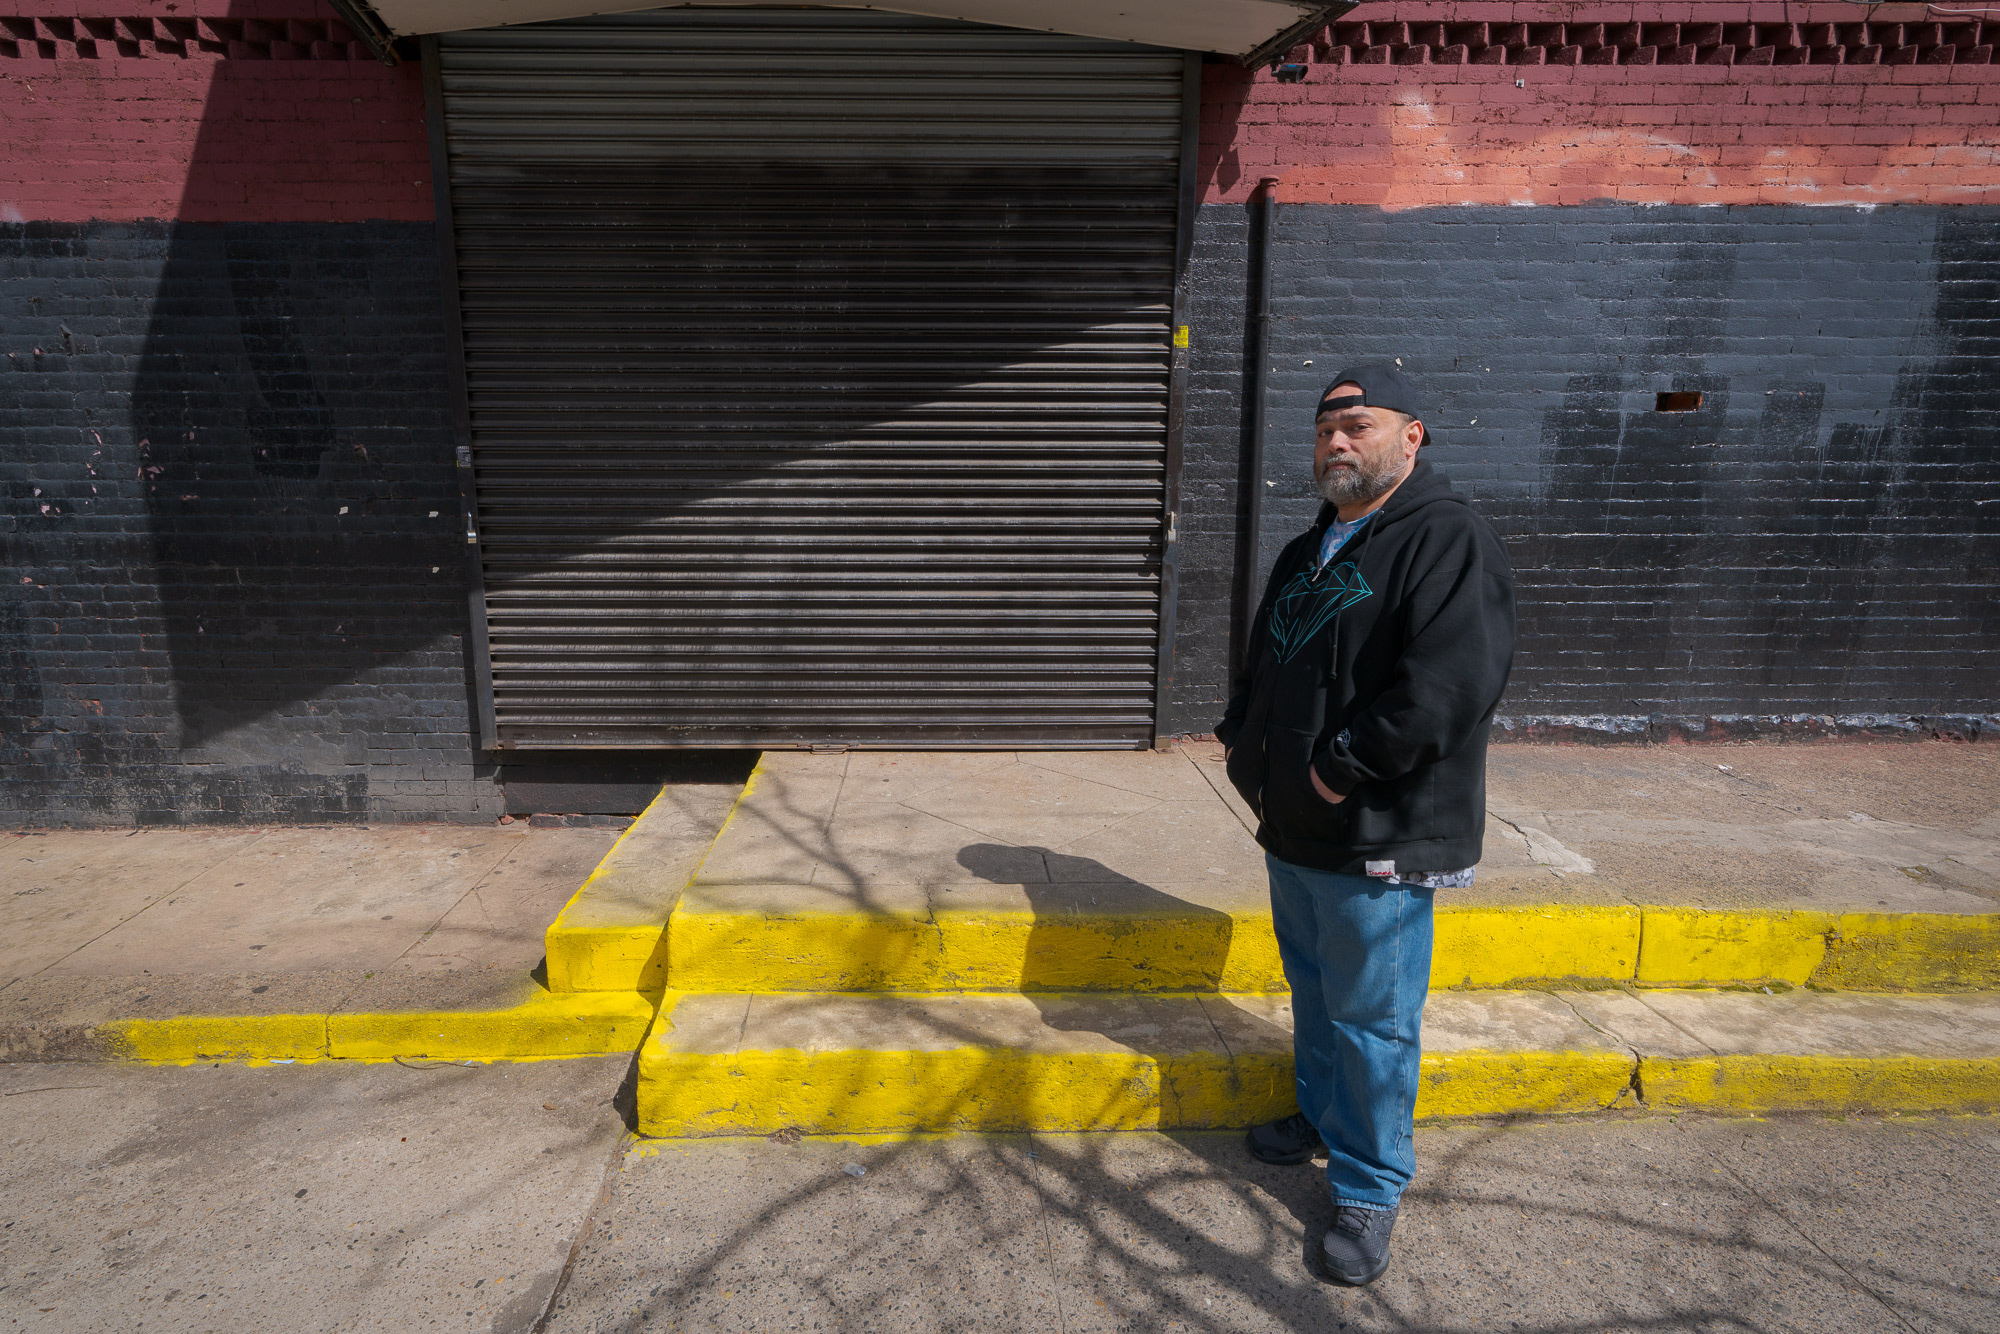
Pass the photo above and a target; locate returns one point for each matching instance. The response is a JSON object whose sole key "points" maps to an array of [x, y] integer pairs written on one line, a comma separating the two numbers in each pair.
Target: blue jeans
{"points": [[1357, 953]]}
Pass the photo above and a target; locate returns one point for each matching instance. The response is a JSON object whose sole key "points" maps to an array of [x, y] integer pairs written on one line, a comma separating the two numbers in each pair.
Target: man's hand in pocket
{"points": [[1319, 785]]}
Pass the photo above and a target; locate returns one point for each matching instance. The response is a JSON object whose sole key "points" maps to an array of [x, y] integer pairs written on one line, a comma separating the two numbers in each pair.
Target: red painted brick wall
{"points": [[1372, 130], [109, 116], [204, 112]]}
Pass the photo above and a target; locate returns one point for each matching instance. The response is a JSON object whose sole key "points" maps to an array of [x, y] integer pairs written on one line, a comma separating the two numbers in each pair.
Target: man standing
{"points": [[1357, 732]]}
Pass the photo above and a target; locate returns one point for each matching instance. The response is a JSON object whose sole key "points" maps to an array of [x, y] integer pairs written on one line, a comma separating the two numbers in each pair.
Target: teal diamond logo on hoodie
{"points": [[1311, 600]]}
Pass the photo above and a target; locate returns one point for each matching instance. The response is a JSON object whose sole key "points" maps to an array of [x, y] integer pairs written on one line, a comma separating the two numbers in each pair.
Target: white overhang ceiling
{"points": [[1247, 29]]}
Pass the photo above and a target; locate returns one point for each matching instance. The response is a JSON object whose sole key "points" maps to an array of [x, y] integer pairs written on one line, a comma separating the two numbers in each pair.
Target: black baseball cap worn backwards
{"points": [[1382, 386]]}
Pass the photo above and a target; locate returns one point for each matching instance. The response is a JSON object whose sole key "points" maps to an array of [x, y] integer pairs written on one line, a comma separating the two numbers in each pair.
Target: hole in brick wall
{"points": [[1678, 401]]}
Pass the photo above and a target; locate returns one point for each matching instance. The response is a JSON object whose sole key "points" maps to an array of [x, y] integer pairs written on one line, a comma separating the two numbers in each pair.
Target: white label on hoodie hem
{"points": [[1382, 870]]}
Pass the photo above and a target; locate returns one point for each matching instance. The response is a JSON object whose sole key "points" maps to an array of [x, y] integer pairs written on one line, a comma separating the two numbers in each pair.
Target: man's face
{"points": [[1362, 452]]}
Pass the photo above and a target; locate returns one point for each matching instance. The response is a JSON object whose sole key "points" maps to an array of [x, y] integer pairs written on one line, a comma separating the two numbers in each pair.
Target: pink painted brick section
{"points": [[207, 139], [1415, 135]]}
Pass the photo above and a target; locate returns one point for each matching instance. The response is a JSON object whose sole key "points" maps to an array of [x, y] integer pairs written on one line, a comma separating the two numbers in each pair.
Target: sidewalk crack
{"points": [[512, 847], [1638, 1057], [1048, 1240], [588, 1222], [1803, 1235], [1202, 1002], [1107, 828], [1545, 849], [156, 900], [1669, 1021], [1223, 797], [1585, 1019]]}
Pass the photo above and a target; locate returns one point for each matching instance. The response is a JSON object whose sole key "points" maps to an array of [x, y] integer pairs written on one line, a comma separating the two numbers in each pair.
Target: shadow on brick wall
{"points": [[1811, 538], [290, 418], [1802, 552]]}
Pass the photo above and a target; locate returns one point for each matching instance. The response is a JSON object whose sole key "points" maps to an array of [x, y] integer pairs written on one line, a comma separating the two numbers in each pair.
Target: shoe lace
{"points": [[1353, 1222]]}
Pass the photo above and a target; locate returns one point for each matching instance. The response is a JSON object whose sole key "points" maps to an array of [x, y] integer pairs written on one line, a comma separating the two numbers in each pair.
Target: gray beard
{"points": [[1358, 485]]}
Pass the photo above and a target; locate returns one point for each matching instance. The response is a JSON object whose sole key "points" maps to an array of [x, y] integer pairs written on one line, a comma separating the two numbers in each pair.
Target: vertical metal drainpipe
{"points": [[1256, 357]]}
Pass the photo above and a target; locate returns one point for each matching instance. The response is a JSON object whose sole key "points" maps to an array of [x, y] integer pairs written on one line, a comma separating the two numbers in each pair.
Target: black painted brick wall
{"points": [[1821, 538], [234, 586], [1210, 520], [192, 630]]}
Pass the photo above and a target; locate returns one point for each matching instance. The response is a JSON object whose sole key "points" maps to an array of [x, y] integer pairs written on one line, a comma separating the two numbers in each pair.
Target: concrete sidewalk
{"points": [[341, 937], [884, 943], [1868, 865], [268, 920], [1833, 828], [1873, 867], [349, 1197], [1696, 1226]]}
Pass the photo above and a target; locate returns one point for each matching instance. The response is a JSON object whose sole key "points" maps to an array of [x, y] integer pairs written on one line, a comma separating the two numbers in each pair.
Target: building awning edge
{"points": [[1252, 31]]}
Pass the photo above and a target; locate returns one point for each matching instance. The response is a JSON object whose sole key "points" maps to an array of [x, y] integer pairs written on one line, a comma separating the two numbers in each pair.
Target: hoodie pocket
{"points": [[1292, 805]]}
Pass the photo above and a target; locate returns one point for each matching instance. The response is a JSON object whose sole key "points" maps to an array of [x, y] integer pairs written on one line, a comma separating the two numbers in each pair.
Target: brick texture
{"points": [[233, 589], [1524, 104], [200, 122], [1817, 541], [262, 112], [235, 585]]}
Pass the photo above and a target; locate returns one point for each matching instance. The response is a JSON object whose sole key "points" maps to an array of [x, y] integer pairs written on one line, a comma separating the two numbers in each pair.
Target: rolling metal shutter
{"points": [[817, 370]]}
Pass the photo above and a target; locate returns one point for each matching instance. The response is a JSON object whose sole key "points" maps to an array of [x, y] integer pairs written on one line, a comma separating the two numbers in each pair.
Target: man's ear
{"points": [[1413, 435]]}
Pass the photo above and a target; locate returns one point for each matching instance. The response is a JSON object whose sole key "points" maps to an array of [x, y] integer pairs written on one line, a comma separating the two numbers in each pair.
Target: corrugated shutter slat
{"points": [[817, 364]]}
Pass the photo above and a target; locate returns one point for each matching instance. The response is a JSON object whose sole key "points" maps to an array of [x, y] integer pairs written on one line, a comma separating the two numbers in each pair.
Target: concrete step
{"points": [[611, 935], [1137, 872], [1112, 937], [754, 1064]]}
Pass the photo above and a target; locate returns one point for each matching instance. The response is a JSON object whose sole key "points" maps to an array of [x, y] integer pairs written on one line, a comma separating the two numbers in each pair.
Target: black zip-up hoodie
{"points": [[1382, 672]]}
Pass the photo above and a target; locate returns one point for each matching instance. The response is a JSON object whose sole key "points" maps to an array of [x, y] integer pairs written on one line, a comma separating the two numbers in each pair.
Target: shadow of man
{"points": [[1114, 956], [1097, 930]]}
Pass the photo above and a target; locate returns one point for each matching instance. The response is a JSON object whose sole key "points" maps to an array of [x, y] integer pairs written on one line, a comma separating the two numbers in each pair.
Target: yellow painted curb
{"points": [[589, 1024], [972, 950], [989, 1089], [1913, 952], [1495, 1083], [1696, 947], [185, 1039], [605, 958], [817, 952], [1779, 1083], [1476, 949], [684, 1094], [581, 954], [594, 947], [1486, 948], [1924, 952]]}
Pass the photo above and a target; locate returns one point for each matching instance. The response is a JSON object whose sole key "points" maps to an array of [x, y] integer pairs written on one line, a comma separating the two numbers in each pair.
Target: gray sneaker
{"points": [[1287, 1141], [1356, 1248]]}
